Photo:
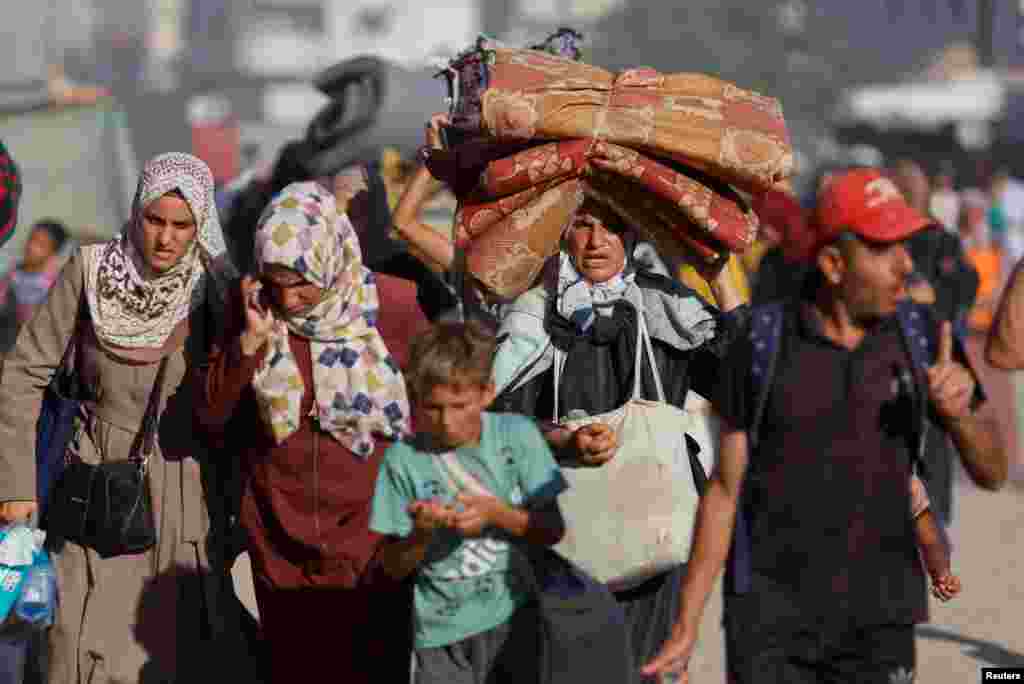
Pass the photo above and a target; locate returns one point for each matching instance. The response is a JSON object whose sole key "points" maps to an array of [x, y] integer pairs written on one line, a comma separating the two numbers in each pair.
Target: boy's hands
{"points": [[946, 586], [477, 514], [429, 516], [473, 515]]}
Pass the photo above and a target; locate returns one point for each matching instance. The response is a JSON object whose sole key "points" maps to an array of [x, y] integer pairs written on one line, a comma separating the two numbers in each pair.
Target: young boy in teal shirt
{"points": [[457, 503]]}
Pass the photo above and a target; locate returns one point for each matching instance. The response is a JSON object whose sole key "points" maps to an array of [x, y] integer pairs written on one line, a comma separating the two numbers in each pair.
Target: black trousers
{"points": [[767, 644]]}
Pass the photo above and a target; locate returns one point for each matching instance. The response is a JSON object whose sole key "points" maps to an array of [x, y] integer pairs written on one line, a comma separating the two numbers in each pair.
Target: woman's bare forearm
{"points": [[429, 243]]}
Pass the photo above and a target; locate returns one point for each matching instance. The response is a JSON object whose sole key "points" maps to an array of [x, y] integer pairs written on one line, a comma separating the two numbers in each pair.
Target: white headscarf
{"points": [[132, 311], [580, 300]]}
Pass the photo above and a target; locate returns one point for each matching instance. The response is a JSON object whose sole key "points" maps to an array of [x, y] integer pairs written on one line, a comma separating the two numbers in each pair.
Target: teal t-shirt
{"points": [[467, 586]]}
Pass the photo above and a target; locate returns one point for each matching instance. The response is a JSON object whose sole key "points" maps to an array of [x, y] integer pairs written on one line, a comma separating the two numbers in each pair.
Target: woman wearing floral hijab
{"points": [[130, 303], [303, 361]]}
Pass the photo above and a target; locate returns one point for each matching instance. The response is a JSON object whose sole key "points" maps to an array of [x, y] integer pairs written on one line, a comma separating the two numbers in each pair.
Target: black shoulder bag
{"points": [[107, 506]]}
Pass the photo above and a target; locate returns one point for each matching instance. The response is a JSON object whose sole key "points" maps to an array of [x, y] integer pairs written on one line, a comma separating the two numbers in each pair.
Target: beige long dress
{"points": [[152, 617]]}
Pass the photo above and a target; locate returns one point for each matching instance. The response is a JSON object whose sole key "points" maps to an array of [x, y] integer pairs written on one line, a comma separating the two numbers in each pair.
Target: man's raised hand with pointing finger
{"points": [[976, 434], [950, 384]]}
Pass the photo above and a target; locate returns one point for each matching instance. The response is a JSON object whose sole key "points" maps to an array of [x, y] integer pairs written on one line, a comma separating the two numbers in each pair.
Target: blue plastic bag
{"points": [[28, 583], [10, 587], [37, 602]]}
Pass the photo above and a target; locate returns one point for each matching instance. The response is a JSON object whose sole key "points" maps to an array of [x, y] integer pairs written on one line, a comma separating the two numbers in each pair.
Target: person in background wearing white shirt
{"points": [[944, 204]]}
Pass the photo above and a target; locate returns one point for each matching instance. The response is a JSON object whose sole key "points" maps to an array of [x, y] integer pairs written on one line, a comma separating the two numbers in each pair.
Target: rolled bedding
{"points": [[675, 155]]}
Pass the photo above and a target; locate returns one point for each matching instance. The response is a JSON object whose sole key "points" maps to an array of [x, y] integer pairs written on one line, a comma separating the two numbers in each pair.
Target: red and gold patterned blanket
{"points": [[542, 132]]}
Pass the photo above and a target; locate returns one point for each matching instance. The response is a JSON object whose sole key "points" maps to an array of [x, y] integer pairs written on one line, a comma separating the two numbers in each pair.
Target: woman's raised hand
{"points": [[259, 320], [720, 279], [434, 126]]}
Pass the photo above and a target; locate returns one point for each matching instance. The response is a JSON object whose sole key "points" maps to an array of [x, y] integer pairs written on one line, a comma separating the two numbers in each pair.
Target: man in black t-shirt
{"points": [[836, 584]]}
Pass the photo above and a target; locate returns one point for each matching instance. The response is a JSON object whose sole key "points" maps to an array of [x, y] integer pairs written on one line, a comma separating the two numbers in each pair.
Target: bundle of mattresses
{"points": [[535, 132]]}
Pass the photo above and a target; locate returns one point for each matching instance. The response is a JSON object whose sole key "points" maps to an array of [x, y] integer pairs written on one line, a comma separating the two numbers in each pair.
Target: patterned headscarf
{"points": [[132, 308], [10, 194], [358, 387]]}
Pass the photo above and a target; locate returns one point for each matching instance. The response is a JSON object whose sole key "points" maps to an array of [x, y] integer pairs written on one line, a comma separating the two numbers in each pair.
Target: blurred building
{"points": [[520, 22], [297, 37], [407, 32]]}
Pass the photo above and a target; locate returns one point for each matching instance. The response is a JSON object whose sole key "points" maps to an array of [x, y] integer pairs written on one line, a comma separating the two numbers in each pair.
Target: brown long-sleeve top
{"points": [[305, 503]]}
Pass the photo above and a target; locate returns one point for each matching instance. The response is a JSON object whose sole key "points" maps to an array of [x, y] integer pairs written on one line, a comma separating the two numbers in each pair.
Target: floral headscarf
{"points": [[358, 387], [134, 309]]}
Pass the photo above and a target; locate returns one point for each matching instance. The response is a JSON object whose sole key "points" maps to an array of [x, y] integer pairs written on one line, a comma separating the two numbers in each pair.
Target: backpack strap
{"points": [[912, 327], [921, 347], [765, 335]]}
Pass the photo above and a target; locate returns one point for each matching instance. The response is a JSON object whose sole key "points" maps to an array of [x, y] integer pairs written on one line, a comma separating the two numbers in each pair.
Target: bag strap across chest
{"points": [[644, 346], [145, 440]]}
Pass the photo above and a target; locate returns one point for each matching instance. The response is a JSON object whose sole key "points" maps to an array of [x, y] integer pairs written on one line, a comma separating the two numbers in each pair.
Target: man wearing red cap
{"points": [[825, 582]]}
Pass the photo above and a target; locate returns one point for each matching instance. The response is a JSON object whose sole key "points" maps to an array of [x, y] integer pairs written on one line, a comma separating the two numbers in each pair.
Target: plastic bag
{"points": [[28, 583]]}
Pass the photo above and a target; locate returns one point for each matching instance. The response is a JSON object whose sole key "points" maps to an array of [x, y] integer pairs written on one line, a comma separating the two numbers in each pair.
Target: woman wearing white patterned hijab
{"points": [[135, 306], [137, 302]]}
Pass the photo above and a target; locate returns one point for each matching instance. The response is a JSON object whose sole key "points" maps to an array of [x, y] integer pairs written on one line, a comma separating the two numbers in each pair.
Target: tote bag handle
{"points": [[643, 343]]}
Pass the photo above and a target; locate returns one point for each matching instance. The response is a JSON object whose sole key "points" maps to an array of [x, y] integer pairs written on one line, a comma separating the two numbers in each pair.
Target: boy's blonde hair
{"points": [[450, 354]]}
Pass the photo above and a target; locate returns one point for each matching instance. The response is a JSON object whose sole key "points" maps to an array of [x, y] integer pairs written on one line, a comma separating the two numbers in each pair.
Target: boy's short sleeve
{"points": [[539, 476], [389, 514]]}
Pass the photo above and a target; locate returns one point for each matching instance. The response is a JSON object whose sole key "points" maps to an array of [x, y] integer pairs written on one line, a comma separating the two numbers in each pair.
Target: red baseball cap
{"points": [[864, 202]]}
